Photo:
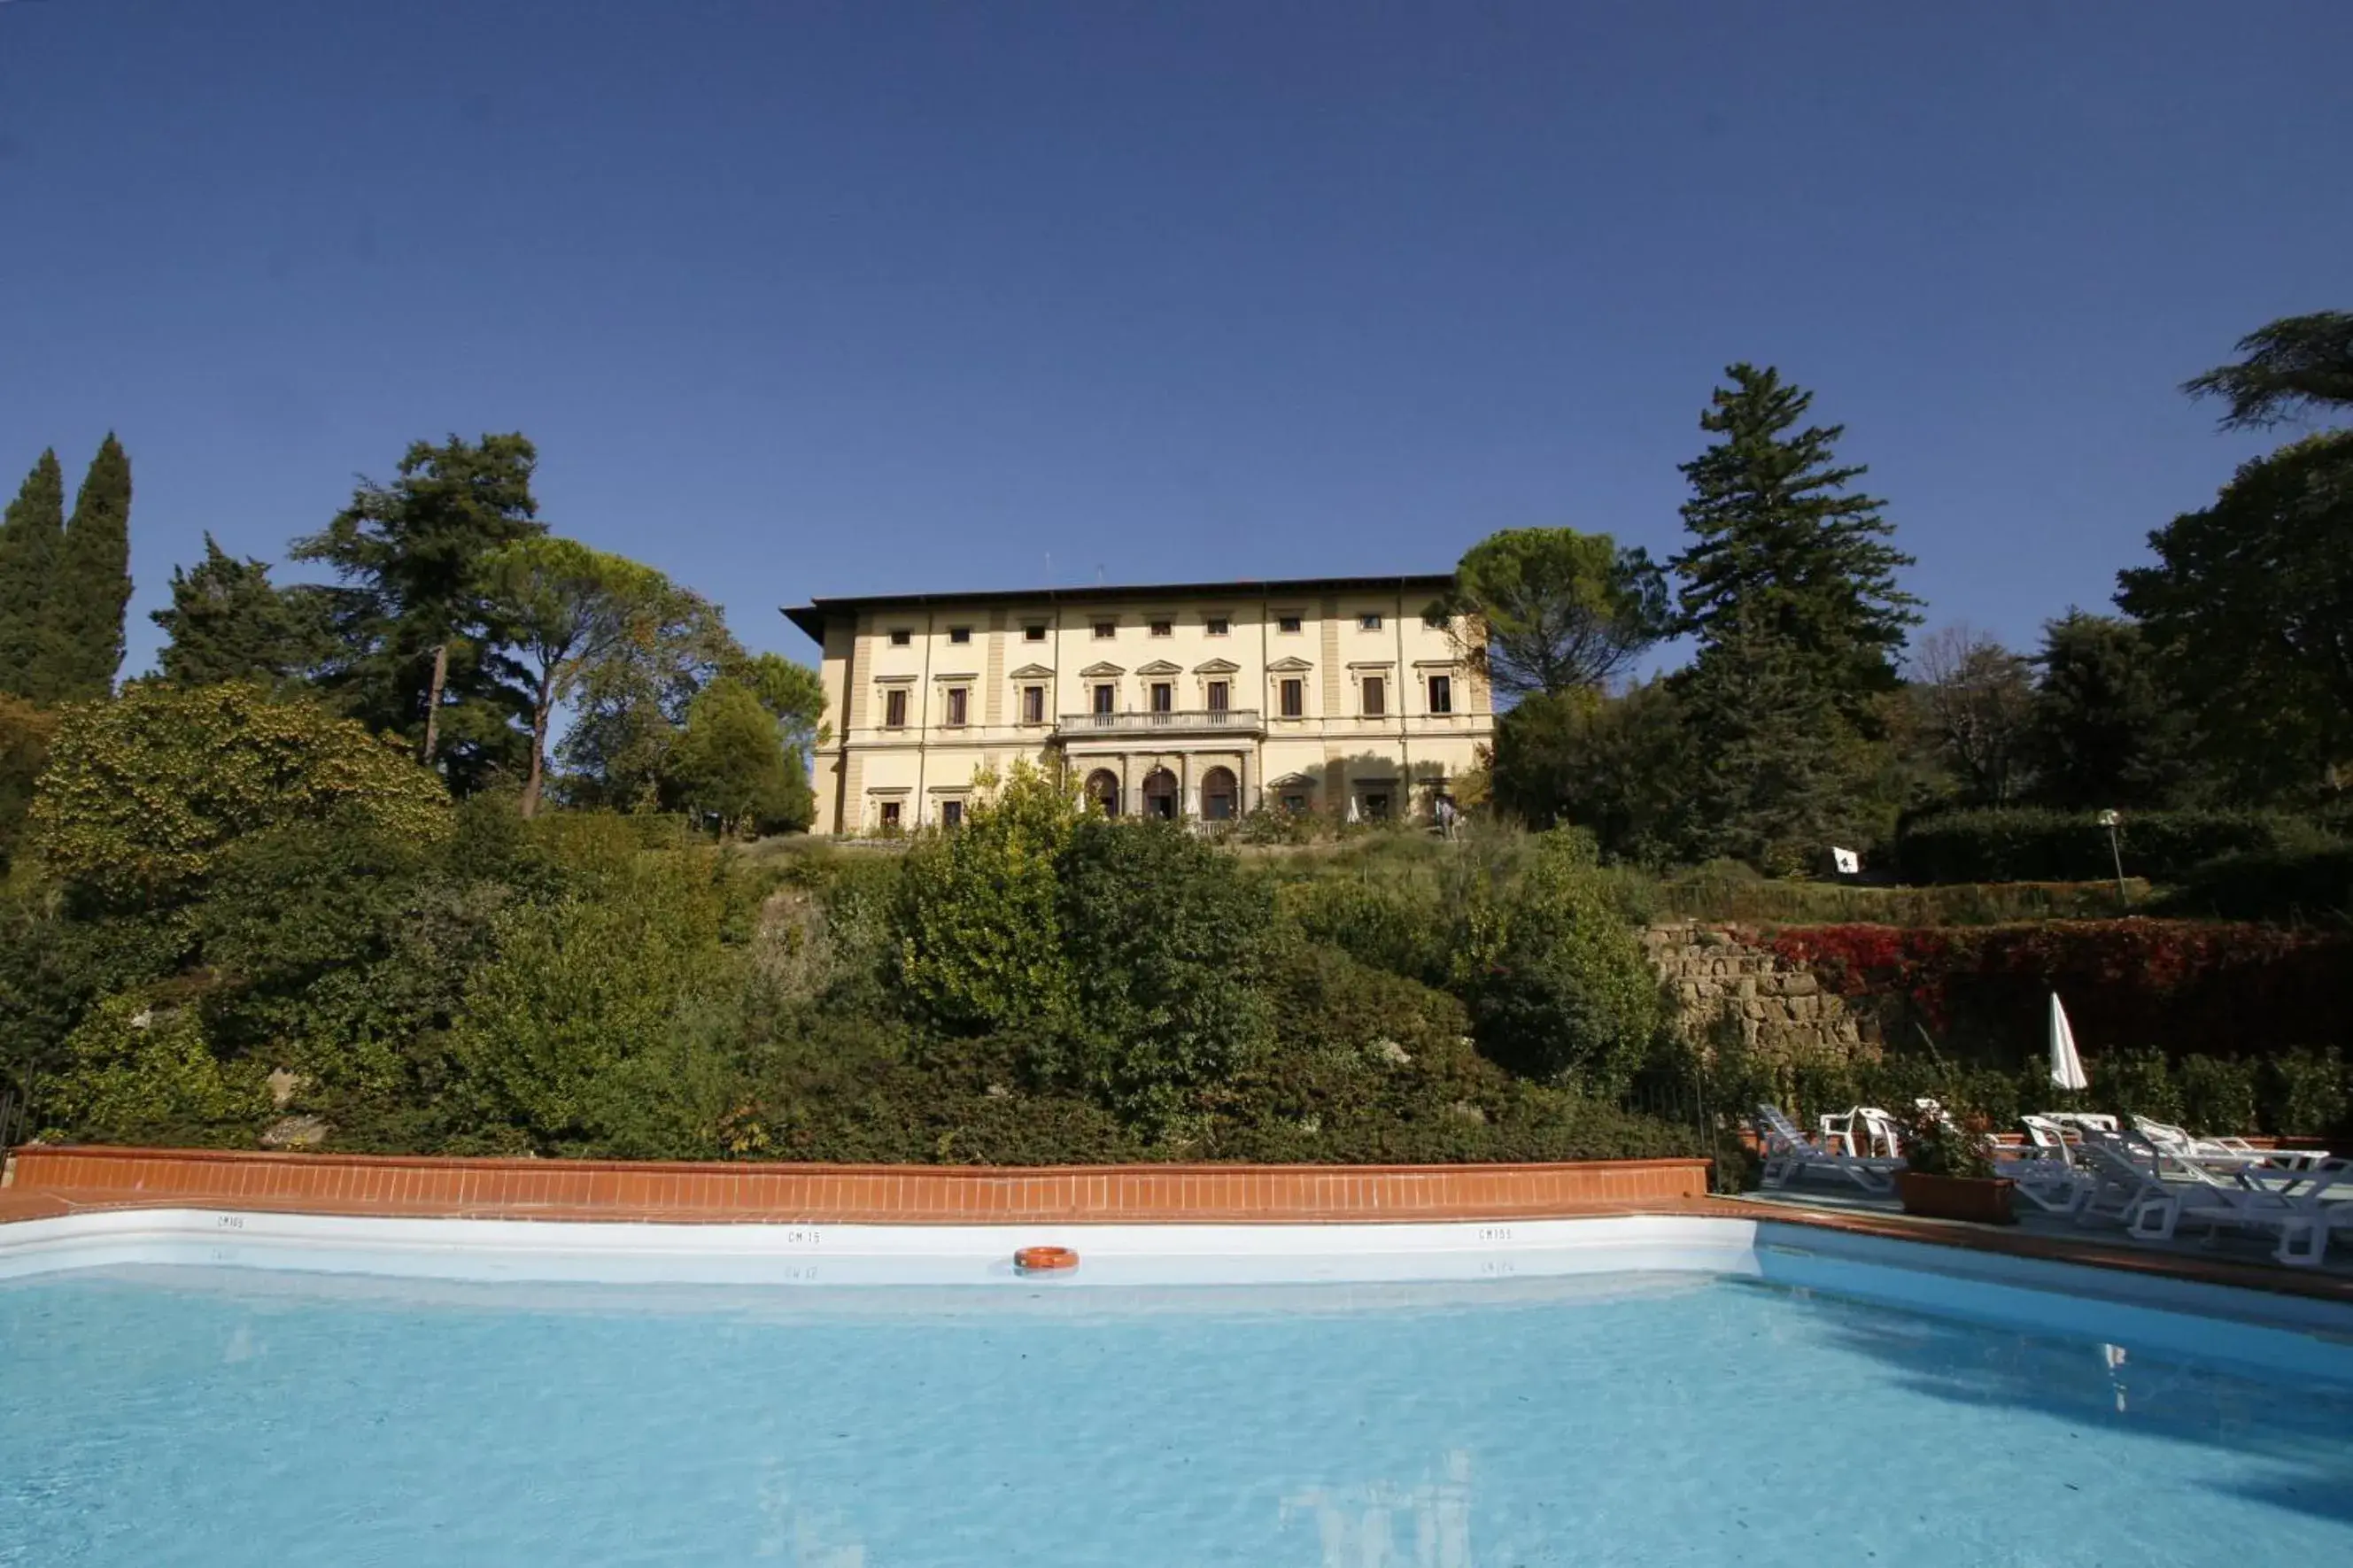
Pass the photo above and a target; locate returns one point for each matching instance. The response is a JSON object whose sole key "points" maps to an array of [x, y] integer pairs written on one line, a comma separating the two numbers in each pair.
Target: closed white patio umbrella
{"points": [[2066, 1067]]}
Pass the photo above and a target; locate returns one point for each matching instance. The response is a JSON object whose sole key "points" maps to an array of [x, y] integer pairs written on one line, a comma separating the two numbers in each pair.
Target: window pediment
{"points": [[1160, 667], [1295, 665], [1102, 671], [1217, 666], [967, 677], [1033, 672]]}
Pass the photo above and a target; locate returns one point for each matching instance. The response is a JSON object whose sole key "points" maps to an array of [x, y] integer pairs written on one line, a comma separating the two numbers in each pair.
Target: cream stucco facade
{"points": [[1199, 701]]}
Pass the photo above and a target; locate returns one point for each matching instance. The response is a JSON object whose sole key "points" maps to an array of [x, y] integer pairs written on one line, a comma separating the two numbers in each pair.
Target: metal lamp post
{"points": [[2108, 820]]}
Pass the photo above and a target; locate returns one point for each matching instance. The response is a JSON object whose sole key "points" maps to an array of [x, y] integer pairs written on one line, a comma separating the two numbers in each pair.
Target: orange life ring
{"points": [[1040, 1260]]}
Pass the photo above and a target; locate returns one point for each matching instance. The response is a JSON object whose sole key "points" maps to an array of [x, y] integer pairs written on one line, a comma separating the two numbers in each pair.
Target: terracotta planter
{"points": [[1982, 1199]]}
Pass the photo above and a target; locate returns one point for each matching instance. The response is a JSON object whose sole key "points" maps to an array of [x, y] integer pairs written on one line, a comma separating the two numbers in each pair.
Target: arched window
{"points": [[1160, 793], [1103, 788], [1220, 797]]}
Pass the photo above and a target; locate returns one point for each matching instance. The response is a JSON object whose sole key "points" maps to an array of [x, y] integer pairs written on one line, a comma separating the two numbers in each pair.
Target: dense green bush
{"points": [[2038, 846], [137, 1073], [2307, 884], [1555, 978]]}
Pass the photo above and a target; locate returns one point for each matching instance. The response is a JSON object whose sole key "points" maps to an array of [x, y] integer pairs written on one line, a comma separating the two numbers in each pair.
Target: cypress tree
{"points": [[30, 541], [229, 622], [82, 633]]}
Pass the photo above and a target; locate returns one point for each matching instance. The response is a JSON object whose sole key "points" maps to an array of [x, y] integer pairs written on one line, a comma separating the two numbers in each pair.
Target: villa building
{"points": [[1206, 700]]}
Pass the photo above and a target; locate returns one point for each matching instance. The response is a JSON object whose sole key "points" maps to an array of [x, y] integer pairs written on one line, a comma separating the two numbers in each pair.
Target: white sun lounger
{"points": [[2152, 1190], [1789, 1154]]}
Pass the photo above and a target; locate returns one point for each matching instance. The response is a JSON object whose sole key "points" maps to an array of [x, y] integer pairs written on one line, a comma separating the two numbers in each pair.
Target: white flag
{"points": [[1847, 861]]}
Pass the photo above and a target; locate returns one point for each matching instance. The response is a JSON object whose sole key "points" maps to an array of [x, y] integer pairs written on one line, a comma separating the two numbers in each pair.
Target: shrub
{"points": [[2017, 845], [2218, 1095], [980, 942], [1162, 935], [2134, 1083], [1557, 984], [25, 732], [2309, 884], [139, 1074], [2305, 1093], [1392, 924], [144, 794]]}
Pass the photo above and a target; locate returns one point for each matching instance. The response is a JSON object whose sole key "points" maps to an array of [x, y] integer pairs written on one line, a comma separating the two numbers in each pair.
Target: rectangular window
{"points": [[1217, 691], [1162, 628], [1033, 634], [1163, 697], [951, 814], [1215, 625], [956, 695], [959, 634], [1441, 694], [1377, 697], [1033, 705], [1106, 629], [1368, 623], [894, 707], [1286, 623], [1105, 695], [901, 636], [1433, 623], [1376, 805], [890, 816], [1294, 698], [1295, 804]]}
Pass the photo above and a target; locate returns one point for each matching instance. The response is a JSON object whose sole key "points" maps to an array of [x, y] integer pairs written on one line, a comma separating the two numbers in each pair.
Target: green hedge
{"points": [[2271, 885], [2032, 845]]}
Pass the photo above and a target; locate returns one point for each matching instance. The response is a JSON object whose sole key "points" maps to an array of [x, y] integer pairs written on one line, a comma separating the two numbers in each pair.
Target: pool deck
{"points": [[50, 1182]]}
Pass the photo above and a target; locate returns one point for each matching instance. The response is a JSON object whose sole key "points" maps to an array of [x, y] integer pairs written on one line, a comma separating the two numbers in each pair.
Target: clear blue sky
{"points": [[802, 300]]}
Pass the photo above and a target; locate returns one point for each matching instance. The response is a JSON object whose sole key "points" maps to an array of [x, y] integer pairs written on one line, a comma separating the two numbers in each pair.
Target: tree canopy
{"points": [[1554, 610], [2295, 365], [83, 622], [30, 539], [1783, 549], [227, 621], [418, 647]]}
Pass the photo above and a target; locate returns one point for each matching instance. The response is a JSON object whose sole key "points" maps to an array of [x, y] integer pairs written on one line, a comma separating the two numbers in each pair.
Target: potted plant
{"points": [[1949, 1168]]}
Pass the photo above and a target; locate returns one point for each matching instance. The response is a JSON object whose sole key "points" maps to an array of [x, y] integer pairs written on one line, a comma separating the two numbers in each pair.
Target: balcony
{"points": [[1179, 721]]}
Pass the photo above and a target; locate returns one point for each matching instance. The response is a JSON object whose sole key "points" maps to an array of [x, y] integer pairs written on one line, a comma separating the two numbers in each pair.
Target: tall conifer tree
{"points": [[30, 541], [1784, 550], [81, 640]]}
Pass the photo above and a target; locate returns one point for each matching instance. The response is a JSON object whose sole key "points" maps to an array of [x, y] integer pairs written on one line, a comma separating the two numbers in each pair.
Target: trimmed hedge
{"points": [[2035, 846], [2179, 987], [2271, 885]]}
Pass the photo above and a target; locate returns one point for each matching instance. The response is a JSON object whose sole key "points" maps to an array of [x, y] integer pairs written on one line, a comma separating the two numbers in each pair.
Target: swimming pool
{"points": [[1606, 1391]]}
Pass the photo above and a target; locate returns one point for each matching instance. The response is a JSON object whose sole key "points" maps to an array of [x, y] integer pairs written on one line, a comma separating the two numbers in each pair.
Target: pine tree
{"points": [[227, 621], [419, 649], [30, 541], [81, 635], [1784, 549]]}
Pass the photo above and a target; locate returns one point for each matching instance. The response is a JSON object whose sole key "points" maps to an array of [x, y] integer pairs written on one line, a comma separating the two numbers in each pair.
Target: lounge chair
{"points": [[1865, 1130], [2152, 1190], [1789, 1154]]}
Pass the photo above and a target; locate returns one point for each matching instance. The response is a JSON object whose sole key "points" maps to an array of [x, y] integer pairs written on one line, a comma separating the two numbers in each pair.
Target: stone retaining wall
{"points": [[1721, 980]]}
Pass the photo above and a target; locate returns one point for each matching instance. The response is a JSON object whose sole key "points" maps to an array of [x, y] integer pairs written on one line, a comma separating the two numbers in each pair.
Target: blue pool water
{"points": [[181, 1416]]}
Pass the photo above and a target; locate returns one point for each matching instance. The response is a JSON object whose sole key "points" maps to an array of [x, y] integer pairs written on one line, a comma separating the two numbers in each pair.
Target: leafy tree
{"points": [[1554, 609], [793, 692], [1163, 935], [1618, 767], [979, 921], [420, 648], [1783, 551], [2296, 364], [142, 795], [2104, 731], [730, 763], [25, 732], [631, 706], [30, 537], [1979, 701], [570, 608], [228, 623], [81, 639], [2250, 607]]}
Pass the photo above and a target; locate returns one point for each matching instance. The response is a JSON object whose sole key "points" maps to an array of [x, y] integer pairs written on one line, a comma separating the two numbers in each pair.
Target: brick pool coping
{"points": [[55, 1180]]}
